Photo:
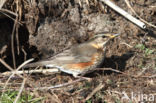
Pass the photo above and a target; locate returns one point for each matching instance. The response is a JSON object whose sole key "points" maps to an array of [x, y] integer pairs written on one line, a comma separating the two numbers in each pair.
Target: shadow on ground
{"points": [[114, 62]]}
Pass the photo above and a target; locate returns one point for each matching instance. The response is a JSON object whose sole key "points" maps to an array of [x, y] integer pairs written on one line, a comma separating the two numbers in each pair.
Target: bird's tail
{"points": [[36, 64]]}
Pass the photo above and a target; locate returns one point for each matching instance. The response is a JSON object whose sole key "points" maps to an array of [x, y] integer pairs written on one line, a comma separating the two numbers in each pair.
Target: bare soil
{"points": [[49, 27]]}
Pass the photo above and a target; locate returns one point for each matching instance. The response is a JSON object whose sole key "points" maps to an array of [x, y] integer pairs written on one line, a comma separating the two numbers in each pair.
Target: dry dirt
{"points": [[49, 27]]}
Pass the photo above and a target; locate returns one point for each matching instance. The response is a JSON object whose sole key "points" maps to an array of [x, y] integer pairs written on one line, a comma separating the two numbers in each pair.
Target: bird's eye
{"points": [[104, 37]]}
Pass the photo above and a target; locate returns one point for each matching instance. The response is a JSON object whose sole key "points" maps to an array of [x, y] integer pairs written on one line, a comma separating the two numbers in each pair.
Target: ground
{"points": [[46, 28]]}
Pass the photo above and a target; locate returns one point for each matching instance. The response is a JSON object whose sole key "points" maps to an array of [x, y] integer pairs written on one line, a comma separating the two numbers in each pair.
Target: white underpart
{"points": [[74, 73], [65, 58]]}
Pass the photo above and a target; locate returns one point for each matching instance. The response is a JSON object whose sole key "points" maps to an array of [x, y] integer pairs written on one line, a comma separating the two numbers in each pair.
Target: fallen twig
{"points": [[2, 2], [126, 44], [143, 71], [98, 88], [52, 87], [125, 14], [60, 85], [8, 11], [5, 11], [44, 71], [13, 73], [128, 4], [12, 43], [6, 65], [20, 91]]}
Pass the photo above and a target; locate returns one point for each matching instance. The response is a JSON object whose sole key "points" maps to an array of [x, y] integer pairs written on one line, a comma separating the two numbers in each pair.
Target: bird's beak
{"points": [[114, 35], [111, 35]]}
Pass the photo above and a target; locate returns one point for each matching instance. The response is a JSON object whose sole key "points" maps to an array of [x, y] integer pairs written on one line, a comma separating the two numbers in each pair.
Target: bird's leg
{"points": [[81, 77], [86, 78]]}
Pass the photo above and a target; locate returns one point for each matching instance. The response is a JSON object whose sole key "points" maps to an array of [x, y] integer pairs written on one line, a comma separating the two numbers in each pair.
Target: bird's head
{"points": [[101, 40]]}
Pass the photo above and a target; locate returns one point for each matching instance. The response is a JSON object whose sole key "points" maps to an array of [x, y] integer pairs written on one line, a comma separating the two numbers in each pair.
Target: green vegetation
{"points": [[146, 50], [89, 101], [10, 96]]}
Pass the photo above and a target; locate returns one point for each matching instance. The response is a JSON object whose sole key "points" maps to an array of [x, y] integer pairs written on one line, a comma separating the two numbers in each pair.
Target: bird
{"points": [[80, 59]]}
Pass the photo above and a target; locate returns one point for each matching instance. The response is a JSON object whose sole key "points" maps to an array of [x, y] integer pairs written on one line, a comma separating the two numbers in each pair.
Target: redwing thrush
{"points": [[79, 59]]}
